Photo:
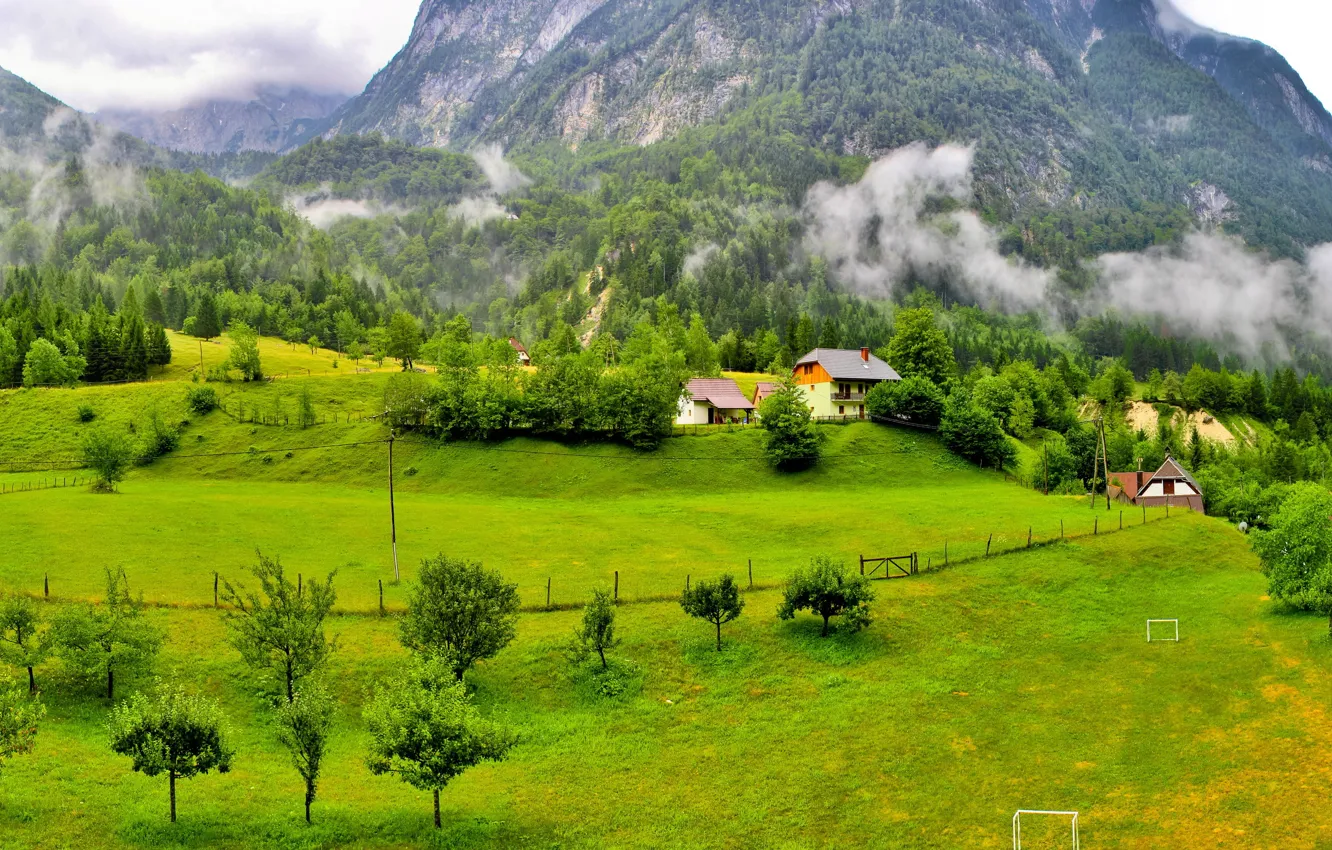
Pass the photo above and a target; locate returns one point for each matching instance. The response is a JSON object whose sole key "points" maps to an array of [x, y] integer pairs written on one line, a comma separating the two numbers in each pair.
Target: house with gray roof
{"points": [[836, 380]]}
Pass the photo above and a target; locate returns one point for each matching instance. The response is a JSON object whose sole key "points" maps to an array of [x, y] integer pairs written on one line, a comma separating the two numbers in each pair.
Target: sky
{"points": [[164, 54]]}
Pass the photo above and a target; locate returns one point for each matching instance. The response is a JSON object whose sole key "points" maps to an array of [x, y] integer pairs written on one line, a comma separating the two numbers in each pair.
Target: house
{"points": [[762, 390], [835, 380], [524, 359], [711, 401], [1170, 485]]}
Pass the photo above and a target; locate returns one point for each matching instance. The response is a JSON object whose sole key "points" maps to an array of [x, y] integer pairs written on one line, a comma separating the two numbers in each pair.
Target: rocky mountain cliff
{"points": [[275, 120]]}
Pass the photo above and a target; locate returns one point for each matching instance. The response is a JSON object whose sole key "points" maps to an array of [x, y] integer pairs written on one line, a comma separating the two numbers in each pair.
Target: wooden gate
{"points": [[898, 566]]}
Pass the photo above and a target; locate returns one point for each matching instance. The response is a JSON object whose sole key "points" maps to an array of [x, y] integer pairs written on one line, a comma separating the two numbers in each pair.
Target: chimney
{"points": [[864, 354]]}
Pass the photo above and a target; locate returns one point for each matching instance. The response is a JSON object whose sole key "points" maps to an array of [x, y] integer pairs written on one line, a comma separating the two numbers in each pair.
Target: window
{"points": [[841, 409]]}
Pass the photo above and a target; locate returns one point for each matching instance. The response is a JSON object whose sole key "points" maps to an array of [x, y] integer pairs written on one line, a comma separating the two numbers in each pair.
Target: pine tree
{"points": [[133, 342], [154, 311], [206, 322], [159, 347]]}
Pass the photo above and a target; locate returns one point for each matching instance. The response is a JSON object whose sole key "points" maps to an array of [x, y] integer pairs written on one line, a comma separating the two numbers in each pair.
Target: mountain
{"points": [[275, 120], [1075, 104]]}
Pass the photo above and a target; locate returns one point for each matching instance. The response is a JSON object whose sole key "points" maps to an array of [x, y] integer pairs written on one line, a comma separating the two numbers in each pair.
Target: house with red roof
{"points": [[713, 401], [762, 390], [524, 359], [1170, 485]]}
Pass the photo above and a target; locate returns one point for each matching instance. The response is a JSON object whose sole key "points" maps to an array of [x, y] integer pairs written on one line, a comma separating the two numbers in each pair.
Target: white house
{"points": [[712, 401]]}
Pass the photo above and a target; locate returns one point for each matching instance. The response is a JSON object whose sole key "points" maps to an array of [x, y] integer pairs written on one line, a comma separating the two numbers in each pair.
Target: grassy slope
{"points": [[277, 357], [1023, 681], [539, 510]]}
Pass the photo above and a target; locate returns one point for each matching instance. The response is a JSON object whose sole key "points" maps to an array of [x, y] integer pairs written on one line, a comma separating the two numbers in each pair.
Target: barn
{"points": [[1170, 485]]}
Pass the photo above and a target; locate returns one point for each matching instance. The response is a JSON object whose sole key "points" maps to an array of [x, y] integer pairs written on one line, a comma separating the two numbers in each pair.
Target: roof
{"points": [[1171, 469], [848, 365], [517, 346], [765, 388], [719, 392]]}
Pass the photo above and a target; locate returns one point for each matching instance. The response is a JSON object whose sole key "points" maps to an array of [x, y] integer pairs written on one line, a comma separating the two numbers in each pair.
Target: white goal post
{"points": [[1175, 623], [1017, 825]]}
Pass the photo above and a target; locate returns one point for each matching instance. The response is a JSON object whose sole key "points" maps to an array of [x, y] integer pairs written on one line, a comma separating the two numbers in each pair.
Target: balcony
{"points": [[848, 396]]}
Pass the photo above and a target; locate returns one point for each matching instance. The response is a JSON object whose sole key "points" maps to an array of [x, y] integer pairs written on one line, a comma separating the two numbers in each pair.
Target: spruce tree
{"points": [[133, 342], [154, 311], [206, 322]]}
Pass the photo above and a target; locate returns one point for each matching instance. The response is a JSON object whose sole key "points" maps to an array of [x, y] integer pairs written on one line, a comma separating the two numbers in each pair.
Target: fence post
{"points": [[46, 586], [862, 565], [1096, 526], [987, 544], [617, 586], [1121, 520], [1061, 529], [1144, 513], [300, 586], [751, 573], [1167, 509], [548, 593], [381, 597], [686, 581], [945, 553], [214, 588], [1028, 537]]}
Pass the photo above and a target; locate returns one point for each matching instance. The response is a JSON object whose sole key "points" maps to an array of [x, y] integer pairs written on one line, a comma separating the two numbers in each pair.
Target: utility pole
{"points": [[1105, 459], [393, 519], [1046, 466]]}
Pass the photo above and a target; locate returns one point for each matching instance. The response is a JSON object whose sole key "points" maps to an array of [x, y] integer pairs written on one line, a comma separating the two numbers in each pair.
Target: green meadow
{"points": [[1019, 680]]}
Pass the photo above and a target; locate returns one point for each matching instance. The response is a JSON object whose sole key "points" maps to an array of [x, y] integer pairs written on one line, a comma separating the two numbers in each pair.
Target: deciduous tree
{"points": [[279, 630], [719, 602], [919, 347], [424, 729], [304, 725], [97, 641], [459, 610], [174, 732], [20, 713], [1296, 551], [596, 633], [109, 454], [829, 590], [22, 641]]}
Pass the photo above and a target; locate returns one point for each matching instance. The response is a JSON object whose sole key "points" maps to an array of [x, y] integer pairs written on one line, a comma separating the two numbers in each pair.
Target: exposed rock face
{"points": [[274, 121]]}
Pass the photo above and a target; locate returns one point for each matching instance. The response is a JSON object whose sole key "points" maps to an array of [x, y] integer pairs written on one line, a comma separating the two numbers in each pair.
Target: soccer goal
{"points": [[1017, 824], [1159, 628]]}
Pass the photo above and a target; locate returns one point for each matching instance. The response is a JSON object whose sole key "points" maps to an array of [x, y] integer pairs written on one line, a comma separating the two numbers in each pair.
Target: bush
{"points": [[159, 439], [201, 400], [914, 399], [86, 413], [972, 432], [109, 455]]}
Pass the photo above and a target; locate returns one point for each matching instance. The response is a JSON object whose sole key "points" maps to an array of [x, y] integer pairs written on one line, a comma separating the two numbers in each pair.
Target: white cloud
{"points": [[879, 232], [504, 176], [160, 54]]}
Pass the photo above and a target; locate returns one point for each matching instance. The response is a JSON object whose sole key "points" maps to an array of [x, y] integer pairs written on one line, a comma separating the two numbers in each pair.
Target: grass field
{"points": [[1016, 681], [277, 357], [1022, 681]]}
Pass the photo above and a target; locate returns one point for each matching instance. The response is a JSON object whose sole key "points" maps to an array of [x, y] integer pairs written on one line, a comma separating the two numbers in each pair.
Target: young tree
{"points": [[459, 610], [355, 352], [828, 590], [597, 632], [424, 728], [46, 366], [304, 724], [404, 339], [206, 322], [279, 631], [96, 641], [179, 734], [305, 411], [791, 440], [919, 348], [108, 454], [244, 356], [22, 643], [378, 341], [719, 602], [1296, 551], [19, 715]]}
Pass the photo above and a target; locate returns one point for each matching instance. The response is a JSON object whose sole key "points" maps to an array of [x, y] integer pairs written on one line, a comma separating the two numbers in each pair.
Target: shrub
{"points": [[972, 432], [914, 399], [109, 455], [86, 413], [159, 439]]}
